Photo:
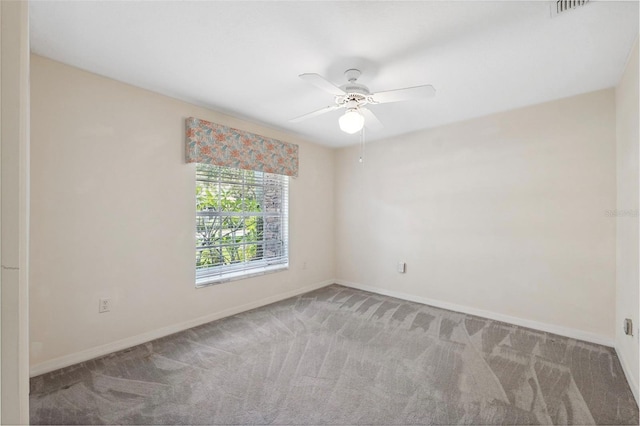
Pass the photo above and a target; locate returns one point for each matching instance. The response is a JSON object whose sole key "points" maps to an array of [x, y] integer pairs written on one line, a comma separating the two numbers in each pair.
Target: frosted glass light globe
{"points": [[351, 122]]}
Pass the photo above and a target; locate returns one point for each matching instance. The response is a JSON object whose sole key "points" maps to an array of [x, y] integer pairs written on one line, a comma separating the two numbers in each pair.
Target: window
{"points": [[241, 223]]}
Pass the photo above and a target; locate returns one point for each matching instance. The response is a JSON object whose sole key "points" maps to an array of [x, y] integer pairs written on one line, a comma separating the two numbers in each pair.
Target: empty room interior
{"points": [[320, 212]]}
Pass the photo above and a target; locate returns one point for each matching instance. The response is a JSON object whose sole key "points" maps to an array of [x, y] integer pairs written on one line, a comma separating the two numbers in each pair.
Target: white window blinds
{"points": [[241, 223]]}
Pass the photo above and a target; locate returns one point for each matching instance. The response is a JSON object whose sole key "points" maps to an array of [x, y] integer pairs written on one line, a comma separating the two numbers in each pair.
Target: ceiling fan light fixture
{"points": [[354, 97], [351, 122]]}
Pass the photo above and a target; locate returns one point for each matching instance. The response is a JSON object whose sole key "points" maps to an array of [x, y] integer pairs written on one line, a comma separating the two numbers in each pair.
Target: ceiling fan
{"points": [[354, 97]]}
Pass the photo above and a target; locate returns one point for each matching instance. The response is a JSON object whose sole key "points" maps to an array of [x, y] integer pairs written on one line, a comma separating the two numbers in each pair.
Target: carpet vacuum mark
{"points": [[341, 356]]}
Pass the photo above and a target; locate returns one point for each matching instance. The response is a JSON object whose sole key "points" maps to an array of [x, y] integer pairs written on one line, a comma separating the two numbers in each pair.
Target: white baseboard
{"points": [[550, 328], [98, 351], [631, 379]]}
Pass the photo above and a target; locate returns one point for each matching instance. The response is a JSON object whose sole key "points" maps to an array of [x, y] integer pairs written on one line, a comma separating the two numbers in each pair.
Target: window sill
{"points": [[233, 276]]}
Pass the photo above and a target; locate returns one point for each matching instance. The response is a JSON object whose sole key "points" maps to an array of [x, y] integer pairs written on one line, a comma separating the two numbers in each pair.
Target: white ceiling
{"points": [[243, 58]]}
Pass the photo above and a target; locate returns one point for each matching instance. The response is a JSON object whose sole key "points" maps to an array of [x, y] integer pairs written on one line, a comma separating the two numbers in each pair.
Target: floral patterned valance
{"points": [[213, 143]]}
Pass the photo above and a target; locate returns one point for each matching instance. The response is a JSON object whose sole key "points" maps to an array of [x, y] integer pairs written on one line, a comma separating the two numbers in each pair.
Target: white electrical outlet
{"points": [[104, 305]]}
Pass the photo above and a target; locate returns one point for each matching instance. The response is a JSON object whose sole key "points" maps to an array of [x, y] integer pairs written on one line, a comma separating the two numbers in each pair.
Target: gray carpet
{"points": [[343, 356]]}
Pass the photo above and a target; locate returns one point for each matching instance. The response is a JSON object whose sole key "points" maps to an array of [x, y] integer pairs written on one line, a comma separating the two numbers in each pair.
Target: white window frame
{"points": [[274, 212]]}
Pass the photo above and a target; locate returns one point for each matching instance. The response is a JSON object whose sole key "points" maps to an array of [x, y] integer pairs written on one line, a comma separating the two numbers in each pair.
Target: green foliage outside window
{"points": [[229, 216]]}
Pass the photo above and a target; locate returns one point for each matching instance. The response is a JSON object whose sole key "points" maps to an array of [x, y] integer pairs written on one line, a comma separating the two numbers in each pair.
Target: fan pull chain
{"points": [[362, 146]]}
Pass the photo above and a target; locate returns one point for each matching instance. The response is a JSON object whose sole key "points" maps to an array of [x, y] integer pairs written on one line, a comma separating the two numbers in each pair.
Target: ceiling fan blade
{"points": [[315, 113], [370, 120], [417, 92], [322, 83]]}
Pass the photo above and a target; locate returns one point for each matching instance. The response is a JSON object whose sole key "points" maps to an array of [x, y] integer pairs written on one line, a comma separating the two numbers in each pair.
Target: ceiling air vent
{"points": [[562, 6]]}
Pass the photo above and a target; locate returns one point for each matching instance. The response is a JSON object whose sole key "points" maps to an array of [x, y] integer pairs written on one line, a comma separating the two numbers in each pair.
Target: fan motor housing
{"points": [[357, 93]]}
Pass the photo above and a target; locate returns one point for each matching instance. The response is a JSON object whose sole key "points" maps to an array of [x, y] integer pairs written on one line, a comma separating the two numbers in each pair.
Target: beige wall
{"points": [[627, 282], [113, 216], [14, 151], [503, 216]]}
